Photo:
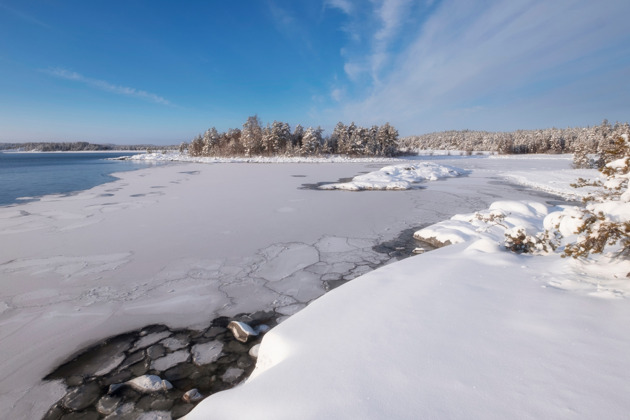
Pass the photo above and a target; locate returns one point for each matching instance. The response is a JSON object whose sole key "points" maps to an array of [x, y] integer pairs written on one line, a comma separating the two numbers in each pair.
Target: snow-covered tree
{"points": [[196, 146], [210, 141], [251, 136], [603, 225], [312, 141]]}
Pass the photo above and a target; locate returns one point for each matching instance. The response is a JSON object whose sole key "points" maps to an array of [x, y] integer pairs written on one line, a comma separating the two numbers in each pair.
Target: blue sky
{"points": [[156, 71]]}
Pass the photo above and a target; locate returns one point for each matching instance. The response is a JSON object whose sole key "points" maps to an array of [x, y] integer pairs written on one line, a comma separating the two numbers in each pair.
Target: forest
{"points": [[79, 146], [551, 140], [278, 139]]}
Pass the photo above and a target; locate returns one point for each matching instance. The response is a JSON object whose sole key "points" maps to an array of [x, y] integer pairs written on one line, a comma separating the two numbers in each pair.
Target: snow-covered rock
{"points": [[192, 396], [397, 177], [149, 383], [241, 330]]}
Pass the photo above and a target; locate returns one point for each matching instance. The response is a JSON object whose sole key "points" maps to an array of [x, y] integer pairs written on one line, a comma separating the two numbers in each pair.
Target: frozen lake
{"points": [[182, 244]]}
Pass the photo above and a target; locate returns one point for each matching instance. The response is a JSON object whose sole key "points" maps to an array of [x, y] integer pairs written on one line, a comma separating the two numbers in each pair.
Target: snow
{"points": [[171, 156], [397, 177], [467, 331], [183, 243], [149, 383]]}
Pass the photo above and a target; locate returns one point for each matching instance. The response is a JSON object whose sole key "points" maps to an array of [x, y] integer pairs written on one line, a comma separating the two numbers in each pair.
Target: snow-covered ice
{"points": [[468, 331], [181, 244]]}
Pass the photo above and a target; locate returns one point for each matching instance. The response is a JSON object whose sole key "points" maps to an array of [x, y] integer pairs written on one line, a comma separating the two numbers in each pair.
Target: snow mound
{"points": [[397, 177], [490, 224], [466, 331]]}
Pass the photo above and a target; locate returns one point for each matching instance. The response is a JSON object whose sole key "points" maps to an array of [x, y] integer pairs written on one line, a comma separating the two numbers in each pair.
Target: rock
{"points": [[203, 354], [181, 410], [262, 328], [174, 343], [156, 351], [114, 387], [149, 383], [418, 250], [241, 331], [244, 362], [132, 359], [107, 405], [161, 405], [214, 331], [140, 368], [180, 371], [155, 415], [123, 412], [170, 360], [81, 397], [192, 396], [232, 374], [118, 378], [254, 351]]}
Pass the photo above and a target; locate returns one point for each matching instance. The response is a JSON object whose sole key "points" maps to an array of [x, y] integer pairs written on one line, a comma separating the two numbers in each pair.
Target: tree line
{"points": [[277, 139], [79, 146], [551, 140]]}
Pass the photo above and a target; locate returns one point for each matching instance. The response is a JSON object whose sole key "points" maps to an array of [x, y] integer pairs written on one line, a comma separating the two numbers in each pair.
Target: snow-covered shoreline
{"points": [[82, 268]]}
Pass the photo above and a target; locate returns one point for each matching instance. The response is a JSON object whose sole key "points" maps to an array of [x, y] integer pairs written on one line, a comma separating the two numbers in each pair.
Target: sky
{"points": [[160, 72]]}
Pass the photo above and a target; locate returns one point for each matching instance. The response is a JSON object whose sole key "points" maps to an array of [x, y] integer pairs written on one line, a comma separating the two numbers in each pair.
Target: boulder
{"points": [[192, 396], [149, 383], [241, 331]]}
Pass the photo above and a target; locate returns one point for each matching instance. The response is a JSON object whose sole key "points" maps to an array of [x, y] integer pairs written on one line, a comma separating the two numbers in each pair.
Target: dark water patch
{"points": [[137, 195], [404, 245], [158, 186], [319, 184], [105, 195], [298, 176], [549, 198], [190, 172], [100, 378]]}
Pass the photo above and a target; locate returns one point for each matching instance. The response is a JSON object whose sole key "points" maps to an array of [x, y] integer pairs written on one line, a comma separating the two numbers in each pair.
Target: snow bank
{"points": [[467, 331], [184, 157], [488, 224], [397, 177]]}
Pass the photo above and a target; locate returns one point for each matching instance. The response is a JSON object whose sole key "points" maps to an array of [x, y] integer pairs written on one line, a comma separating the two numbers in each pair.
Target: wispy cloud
{"points": [[106, 86], [24, 16], [484, 58], [345, 6]]}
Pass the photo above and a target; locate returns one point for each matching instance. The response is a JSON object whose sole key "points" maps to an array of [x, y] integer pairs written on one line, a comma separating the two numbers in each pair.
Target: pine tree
{"points": [[312, 141], [251, 136]]}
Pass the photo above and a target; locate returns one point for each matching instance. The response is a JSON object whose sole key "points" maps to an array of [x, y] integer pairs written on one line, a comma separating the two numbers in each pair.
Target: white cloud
{"points": [[345, 6], [486, 57], [390, 13], [354, 70], [337, 94], [106, 86]]}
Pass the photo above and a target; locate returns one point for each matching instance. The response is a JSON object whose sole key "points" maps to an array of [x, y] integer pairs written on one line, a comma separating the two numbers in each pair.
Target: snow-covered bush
{"points": [[603, 225], [518, 240]]}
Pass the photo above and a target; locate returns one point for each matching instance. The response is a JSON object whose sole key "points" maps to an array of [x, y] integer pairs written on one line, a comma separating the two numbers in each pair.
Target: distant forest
{"points": [[80, 146], [551, 140]]}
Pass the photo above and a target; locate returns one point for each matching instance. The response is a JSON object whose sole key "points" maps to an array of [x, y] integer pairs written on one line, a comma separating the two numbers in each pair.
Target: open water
{"points": [[26, 176]]}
